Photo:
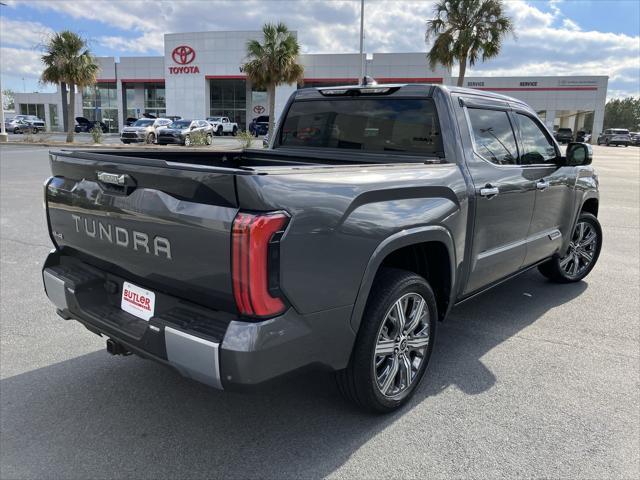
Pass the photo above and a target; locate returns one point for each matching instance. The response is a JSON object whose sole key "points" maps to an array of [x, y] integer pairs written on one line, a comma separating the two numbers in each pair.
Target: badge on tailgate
{"points": [[138, 301]]}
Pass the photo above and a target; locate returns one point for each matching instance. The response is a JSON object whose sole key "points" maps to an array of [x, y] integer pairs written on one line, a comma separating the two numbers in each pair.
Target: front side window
{"points": [[390, 125], [536, 146], [493, 136]]}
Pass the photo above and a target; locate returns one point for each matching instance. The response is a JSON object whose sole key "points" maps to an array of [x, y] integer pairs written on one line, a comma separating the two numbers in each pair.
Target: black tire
{"points": [[235, 131], [606, 142], [219, 131], [126, 142], [34, 130], [553, 268], [358, 382], [16, 131]]}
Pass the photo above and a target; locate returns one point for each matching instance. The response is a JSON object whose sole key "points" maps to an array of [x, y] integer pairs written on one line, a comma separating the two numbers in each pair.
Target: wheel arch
{"points": [[428, 251], [591, 205]]}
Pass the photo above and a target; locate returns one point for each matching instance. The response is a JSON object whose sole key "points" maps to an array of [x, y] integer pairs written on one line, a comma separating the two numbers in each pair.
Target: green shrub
{"points": [[245, 139], [96, 134], [200, 138]]}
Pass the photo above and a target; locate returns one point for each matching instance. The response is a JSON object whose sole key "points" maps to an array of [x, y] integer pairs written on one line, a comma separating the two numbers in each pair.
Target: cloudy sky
{"points": [[554, 37]]}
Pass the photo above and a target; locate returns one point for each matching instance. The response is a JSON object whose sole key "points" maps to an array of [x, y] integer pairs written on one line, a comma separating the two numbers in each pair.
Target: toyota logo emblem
{"points": [[258, 109], [183, 55]]}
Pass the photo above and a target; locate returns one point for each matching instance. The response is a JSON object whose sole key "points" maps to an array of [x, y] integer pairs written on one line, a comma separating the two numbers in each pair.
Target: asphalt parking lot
{"points": [[531, 379]]}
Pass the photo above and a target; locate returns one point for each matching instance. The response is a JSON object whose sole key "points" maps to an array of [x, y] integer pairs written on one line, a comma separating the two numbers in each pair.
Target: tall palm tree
{"points": [[466, 30], [67, 60], [273, 62]]}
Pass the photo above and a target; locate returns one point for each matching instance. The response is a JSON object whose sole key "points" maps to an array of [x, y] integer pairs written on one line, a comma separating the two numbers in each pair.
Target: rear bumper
{"points": [[170, 140], [212, 347]]}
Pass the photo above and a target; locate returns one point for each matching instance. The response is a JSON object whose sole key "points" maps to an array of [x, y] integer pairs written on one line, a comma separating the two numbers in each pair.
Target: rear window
{"points": [[564, 130], [620, 131], [367, 124]]}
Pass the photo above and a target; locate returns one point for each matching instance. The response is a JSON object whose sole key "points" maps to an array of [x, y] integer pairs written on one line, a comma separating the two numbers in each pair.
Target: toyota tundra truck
{"points": [[375, 210]]}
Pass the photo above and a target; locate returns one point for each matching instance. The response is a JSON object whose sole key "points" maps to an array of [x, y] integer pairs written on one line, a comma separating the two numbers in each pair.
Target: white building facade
{"points": [[200, 75]]}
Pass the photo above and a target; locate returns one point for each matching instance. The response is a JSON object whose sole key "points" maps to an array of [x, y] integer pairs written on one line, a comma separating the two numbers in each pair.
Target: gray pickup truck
{"points": [[375, 210]]}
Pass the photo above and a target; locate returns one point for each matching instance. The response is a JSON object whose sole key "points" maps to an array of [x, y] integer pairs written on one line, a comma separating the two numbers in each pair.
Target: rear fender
{"points": [[434, 233]]}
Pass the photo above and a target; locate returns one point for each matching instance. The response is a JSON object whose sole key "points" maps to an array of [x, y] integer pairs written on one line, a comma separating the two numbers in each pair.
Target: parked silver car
{"points": [[144, 130], [16, 125], [36, 123]]}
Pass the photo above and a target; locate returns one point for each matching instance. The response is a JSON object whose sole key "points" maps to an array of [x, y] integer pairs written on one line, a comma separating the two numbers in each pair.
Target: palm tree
{"points": [[273, 62], [67, 60], [466, 30]]}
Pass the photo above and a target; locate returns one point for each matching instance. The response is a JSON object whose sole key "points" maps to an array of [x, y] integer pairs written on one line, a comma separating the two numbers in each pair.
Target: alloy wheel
{"points": [[403, 339], [582, 249]]}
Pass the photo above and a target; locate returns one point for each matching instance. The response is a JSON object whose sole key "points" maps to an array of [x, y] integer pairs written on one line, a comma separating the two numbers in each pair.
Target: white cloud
{"points": [[19, 33], [547, 42]]}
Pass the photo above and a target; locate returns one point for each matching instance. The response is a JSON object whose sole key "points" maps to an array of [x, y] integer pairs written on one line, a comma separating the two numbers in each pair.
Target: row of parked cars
{"points": [[24, 124], [611, 136], [176, 130]]}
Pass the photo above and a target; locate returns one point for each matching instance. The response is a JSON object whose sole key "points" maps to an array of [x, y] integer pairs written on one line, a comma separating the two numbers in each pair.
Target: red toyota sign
{"points": [[183, 55]]}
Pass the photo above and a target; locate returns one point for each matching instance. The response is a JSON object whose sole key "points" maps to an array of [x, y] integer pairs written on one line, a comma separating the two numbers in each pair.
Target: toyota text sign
{"points": [[183, 55]]}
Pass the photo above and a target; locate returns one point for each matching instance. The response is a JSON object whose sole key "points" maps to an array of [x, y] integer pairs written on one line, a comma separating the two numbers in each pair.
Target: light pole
{"points": [[362, 57], [3, 133]]}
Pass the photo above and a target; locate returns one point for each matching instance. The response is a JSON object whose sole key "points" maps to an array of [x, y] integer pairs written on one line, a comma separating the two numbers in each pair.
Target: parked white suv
{"points": [[222, 126], [144, 130]]}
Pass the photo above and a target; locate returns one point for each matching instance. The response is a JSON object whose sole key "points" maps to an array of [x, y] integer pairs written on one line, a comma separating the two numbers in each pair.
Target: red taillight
{"points": [[250, 251]]}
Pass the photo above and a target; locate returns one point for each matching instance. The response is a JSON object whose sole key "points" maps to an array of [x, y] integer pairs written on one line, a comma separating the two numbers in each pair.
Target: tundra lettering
{"points": [[140, 239], [372, 213]]}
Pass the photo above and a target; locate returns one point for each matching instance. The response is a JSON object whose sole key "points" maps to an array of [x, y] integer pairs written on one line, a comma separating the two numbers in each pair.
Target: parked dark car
{"points": [[85, 125], [635, 138], [130, 121], [583, 136], [341, 248], [180, 131], [564, 135], [615, 136], [259, 125]]}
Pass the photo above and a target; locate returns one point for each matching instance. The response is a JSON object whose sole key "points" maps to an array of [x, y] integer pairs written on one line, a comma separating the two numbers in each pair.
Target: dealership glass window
{"points": [[130, 101], [100, 102], [36, 109], [53, 115], [154, 99], [228, 98]]}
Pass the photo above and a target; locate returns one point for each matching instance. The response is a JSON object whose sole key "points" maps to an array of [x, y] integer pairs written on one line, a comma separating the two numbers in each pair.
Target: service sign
{"points": [[183, 56]]}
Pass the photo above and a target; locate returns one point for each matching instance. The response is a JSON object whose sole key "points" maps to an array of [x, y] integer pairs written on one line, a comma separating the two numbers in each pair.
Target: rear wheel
{"points": [[394, 343], [606, 142], [16, 130], [235, 131], [151, 138], [582, 255], [34, 130]]}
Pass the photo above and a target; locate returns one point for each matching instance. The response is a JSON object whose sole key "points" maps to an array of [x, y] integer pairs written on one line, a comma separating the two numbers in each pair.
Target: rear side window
{"points": [[536, 146], [368, 124], [493, 136]]}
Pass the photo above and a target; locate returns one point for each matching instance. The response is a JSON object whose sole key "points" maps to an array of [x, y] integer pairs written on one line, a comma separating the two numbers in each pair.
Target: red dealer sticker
{"points": [[138, 301]]}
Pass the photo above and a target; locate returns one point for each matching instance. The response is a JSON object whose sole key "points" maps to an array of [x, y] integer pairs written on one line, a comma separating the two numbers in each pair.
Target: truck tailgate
{"points": [[164, 227]]}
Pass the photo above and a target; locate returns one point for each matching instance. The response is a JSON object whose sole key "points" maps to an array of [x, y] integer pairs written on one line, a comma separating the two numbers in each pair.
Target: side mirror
{"points": [[192, 127], [578, 154]]}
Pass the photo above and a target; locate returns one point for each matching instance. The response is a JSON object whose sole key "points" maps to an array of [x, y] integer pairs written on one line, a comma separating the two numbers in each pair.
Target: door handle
{"points": [[489, 191], [542, 185]]}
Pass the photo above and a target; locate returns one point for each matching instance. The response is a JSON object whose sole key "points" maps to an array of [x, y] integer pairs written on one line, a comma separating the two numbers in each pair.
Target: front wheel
{"points": [[34, 130], [582, 255], [151, 138], [394, 343], [16, 130]]}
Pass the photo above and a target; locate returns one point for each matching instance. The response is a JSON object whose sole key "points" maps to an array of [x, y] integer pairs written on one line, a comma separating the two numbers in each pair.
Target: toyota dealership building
{"points": [[200, 75]]}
